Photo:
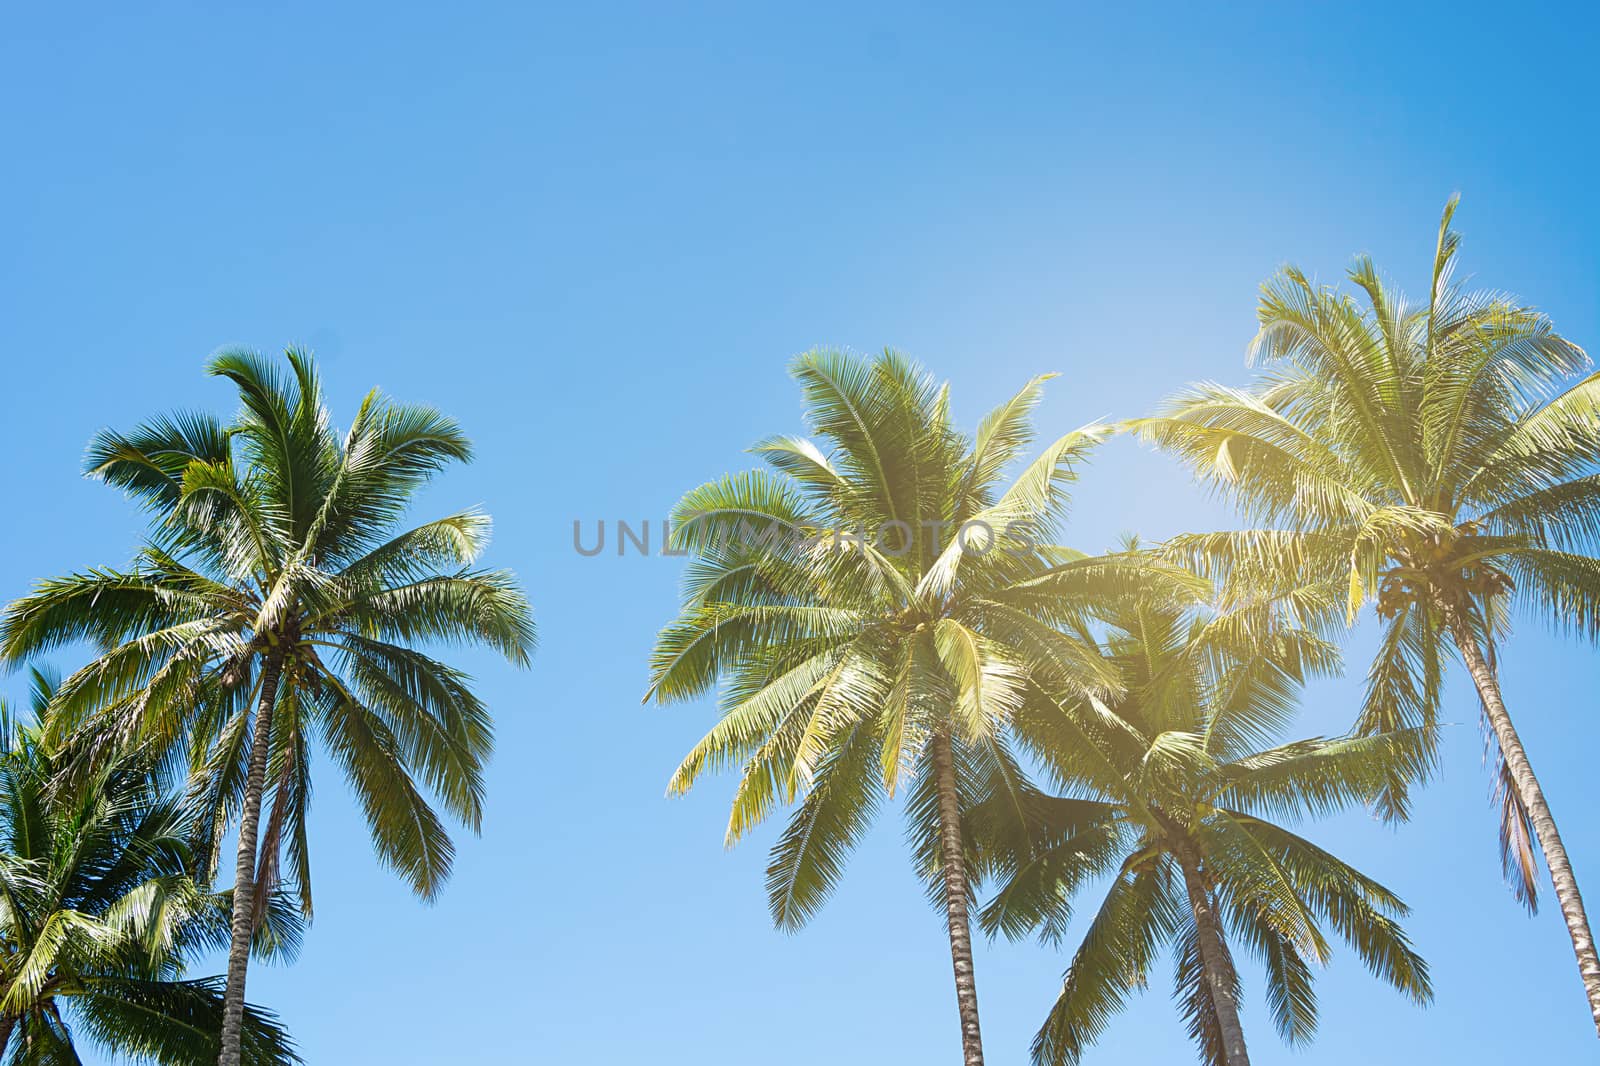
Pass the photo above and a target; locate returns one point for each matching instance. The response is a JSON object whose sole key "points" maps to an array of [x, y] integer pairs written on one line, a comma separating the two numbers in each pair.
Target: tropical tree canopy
{"points": [[1443, 459], [881, 607], [99, 918], [274, 534], [851, 619], [278, 607], [1433, 457], [1182, 799]]}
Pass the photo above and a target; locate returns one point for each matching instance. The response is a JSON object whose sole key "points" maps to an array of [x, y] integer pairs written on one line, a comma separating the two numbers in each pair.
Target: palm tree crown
{"points": [[881, 608], [1179, 798], [98, 917], [278, 606], [1440, 458]]}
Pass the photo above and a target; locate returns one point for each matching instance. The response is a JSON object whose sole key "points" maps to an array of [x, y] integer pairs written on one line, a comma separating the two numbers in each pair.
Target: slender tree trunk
{"points": [[953, 855], [244, 877], [1532, 796], [1216, 963], [8, 1023]]}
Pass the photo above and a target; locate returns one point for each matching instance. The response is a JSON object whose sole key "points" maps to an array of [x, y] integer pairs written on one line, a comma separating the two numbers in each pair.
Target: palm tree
{"points": [[1178, 799], [97, 918], [1439, 457], [276, 605], [880, 612]]}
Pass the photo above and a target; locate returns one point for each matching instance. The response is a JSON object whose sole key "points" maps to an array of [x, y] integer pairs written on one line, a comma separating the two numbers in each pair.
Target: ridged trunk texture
{"points": [[244, 877], [953, 857], [1532, 796], [1216, 963]]}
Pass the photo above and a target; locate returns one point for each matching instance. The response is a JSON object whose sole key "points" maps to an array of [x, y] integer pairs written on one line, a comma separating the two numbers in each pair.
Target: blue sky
{"points": [[597, 236]]}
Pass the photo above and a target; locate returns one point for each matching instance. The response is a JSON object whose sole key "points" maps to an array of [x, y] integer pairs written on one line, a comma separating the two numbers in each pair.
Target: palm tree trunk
{"points": [[1532, 796], [244, 877], [1216, 963], [8, 1023], [953, 855]]}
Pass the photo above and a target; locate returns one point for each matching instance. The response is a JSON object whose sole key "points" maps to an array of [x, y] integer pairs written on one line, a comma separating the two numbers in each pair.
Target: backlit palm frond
{"points": [[1317, 777], [1290, 978], [1519, 843], [1239, 445], [1403, 694], [810, 855], [1359, 909], [1002, 435], [406, 832], [1139, 915]]}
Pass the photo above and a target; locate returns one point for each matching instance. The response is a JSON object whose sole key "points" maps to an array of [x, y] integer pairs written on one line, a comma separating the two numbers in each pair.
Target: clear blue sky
{"points": [[597, 237]]}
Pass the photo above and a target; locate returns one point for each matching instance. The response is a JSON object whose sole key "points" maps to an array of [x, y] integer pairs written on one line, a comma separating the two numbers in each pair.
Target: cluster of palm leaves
{"points": [[99, 914], [883, 609], [278, 610], [887, 608]]}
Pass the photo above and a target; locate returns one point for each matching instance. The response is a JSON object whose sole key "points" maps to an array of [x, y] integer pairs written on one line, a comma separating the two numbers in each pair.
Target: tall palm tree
{"points": [[98, 917], [279, 604], [1179, 799], [1441, 458], [880, 611]]}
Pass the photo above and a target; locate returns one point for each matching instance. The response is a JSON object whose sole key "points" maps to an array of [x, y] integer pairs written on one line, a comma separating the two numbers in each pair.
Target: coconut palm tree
{"points": [[1440, 458], [881, 606], [98, 917], [1180, 799], [278, 604]]}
